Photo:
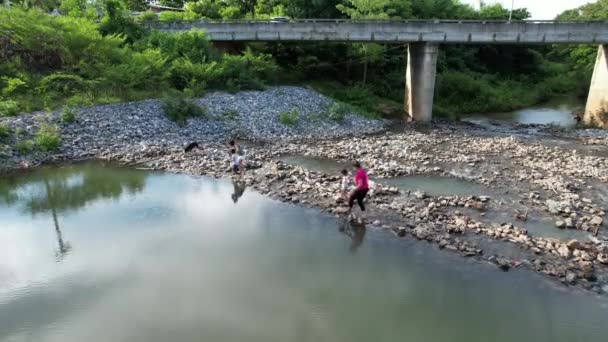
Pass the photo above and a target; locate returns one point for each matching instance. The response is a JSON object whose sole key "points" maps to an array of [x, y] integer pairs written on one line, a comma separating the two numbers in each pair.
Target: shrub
{"points": [[288, 118], [47, 138], [118, 23], [170, 15], [191, 45], [68, 115], [178, 109], [4, 132], [146, 16], [9, 108], [338, 111], [229, 115], [24, 147], [61, 83], [12, 85]]}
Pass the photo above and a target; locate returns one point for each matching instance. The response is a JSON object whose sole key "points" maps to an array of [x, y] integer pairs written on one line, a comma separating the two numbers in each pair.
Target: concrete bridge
{"points": [[423, 38]]}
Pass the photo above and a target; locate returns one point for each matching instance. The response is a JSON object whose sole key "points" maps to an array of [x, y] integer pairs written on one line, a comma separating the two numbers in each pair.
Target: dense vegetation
{"points": [[78, 59]]}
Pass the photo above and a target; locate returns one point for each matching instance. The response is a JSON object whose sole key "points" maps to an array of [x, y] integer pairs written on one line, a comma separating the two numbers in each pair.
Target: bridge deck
{"points": [[402, 31]]}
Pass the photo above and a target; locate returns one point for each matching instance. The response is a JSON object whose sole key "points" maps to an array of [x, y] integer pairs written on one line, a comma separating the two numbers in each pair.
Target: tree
{"points": [[136, 5], [368, 9]]}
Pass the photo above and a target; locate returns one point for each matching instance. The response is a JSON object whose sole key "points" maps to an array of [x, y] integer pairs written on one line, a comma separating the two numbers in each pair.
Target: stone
{"points": [[569, 223], [422, 232], [596, 221], [571, 277], [574, 244], [560, 224], [420, 194], [564, 251], [602, 258], [443, 243]]}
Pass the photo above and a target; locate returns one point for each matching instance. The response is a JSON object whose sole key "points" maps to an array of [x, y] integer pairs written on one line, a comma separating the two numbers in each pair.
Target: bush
{"points": [[229, 115], [170, 15], [47, 138], [146, 16], [9, 108], [68, 115], [118, 23], [61, 83], [289, 118], [24, 147], [338, 111], [4, 132], [178, 109], [191, 45]]}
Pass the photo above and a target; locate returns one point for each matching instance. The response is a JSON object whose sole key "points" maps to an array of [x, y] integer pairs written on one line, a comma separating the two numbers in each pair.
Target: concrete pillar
{"points": [[596, 111], [420, 81]]}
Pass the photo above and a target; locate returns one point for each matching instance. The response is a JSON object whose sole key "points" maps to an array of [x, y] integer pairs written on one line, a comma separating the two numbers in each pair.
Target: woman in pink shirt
{"points": [[361, 187]]}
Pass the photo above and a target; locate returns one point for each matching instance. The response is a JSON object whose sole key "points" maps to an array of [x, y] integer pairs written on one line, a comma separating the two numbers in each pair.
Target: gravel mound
{"points": [[248, 115]]}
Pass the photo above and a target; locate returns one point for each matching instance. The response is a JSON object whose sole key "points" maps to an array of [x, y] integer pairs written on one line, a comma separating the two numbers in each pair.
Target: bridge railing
{"points": [[427, 21]]}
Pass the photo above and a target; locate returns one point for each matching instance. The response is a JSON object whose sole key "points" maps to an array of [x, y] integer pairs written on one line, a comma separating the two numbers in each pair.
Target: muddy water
{"points": [[92, 253]]}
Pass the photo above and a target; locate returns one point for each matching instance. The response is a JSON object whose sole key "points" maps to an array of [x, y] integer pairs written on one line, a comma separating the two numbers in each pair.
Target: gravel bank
{"points": [[249, 115]]}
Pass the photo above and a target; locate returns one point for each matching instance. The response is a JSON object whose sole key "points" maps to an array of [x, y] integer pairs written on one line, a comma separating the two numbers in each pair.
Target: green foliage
{"points": [[25, 147], [4, 132], [12, 85], [337, 111], [136, 5], [119, 23], [68, 115], [9, 108], [146, 16], [61, 83], [170, 15], [47, 138], [172, 3], [179, 109], [229, 115], [192, 45], [289, 118]]}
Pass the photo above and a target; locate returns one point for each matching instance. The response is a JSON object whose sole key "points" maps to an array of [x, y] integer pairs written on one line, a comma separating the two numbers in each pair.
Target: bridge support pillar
{"points": [[420, 81], [596, 111]]}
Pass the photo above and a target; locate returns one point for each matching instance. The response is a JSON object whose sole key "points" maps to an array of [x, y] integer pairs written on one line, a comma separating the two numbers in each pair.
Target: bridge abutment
{"points": [[420, 81], [596, 110]]}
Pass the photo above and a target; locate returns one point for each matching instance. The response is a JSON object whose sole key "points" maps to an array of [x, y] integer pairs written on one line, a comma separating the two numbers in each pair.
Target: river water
{"points": [[559, 112], [92, 253]]}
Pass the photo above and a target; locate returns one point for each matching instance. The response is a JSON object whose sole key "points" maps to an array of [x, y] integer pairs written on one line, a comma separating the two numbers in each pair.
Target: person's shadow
{"points": [[356, 232], [239, 189]]}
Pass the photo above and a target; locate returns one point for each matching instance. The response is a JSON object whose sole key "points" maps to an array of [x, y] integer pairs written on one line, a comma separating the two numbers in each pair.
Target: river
{"points": [[97, 253], [559, 112]]}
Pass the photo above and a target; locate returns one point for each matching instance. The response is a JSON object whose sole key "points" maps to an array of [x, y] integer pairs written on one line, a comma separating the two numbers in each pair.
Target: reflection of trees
{"points": [[58, 190]]}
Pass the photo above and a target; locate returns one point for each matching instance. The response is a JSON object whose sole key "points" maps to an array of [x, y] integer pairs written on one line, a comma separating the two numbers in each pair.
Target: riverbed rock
{"points": [[560, 224], [423, 231], [564, 251]]}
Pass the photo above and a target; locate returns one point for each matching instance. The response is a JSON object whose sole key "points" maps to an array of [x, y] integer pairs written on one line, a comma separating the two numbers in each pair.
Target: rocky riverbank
{"points": [[525, 177]]}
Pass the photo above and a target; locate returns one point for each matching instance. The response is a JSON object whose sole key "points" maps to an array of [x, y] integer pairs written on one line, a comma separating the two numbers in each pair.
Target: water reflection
{"points": [[184, 265], [59, 190], [355, 231], [239, 190]]}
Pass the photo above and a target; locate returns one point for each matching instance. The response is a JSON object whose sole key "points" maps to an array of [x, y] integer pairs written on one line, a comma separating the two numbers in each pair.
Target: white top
{"points": [[345, 183]]}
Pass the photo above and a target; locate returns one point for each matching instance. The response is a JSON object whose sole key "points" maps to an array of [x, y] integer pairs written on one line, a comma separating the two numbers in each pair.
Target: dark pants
{"points": [[358, 195]]}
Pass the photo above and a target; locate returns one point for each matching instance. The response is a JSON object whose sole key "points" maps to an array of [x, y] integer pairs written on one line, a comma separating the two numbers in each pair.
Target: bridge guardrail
{"points": [[425, 21]]}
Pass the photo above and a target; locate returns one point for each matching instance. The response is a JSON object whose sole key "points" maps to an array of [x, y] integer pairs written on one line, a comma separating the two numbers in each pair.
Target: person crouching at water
{"points": [[361, 188]]}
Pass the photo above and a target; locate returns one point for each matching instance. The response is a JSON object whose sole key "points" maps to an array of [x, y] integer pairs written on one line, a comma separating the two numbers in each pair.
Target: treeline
{"points": [[98, 52]]}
